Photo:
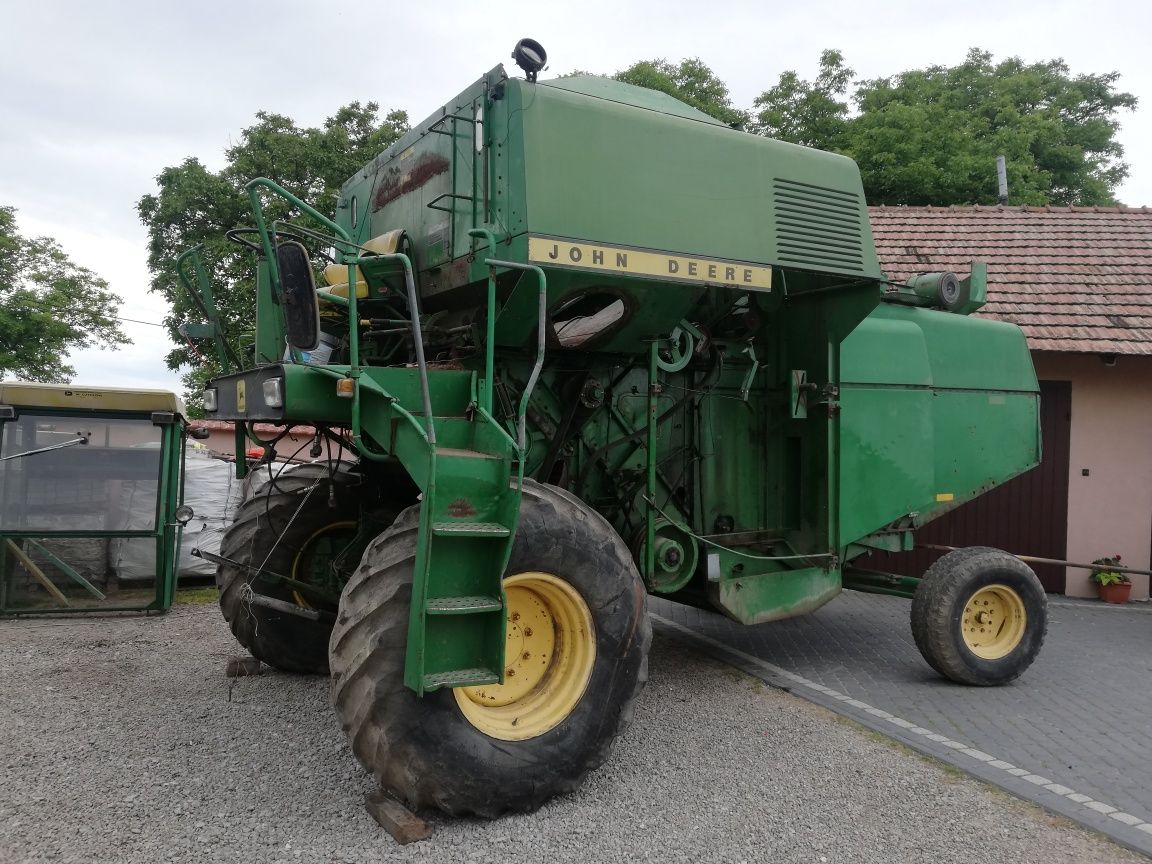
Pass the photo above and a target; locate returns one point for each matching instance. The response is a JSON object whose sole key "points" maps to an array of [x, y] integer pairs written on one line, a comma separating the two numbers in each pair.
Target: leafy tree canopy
{"points": [[931, 136], [194, 205], [691, 82], [49, 306], [812, 113]]}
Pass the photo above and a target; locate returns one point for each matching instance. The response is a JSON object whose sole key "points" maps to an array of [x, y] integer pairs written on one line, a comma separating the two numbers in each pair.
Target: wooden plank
{"points": [[37, 573], [67, 570], [404, 825], [240, 667]]}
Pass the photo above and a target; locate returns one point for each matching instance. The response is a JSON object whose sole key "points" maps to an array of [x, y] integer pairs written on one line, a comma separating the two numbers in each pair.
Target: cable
{"points": [[136, 321]]}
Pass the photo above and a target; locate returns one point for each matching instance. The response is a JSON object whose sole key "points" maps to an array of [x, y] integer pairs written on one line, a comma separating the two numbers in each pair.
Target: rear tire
{"points": [[979, 616], [425, 750], [275, 530]]}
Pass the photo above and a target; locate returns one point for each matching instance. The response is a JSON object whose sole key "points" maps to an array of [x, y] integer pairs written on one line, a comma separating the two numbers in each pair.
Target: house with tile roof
{"points": [[1078, 281]]}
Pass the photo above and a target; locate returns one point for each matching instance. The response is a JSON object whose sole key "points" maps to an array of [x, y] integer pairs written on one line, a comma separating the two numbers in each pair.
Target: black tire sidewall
{"points": [[938, 615], [1008, 667], [287, 642], [438, 757]]}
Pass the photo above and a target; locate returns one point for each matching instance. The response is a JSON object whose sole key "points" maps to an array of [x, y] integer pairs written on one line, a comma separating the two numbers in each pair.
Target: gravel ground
{"points": [[121, 740]]}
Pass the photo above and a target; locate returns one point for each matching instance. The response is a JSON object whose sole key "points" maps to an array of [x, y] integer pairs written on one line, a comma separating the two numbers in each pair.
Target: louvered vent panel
{"points": [[818, 227]]}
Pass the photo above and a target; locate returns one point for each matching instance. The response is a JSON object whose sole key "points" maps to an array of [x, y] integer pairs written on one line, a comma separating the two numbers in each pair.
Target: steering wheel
{"points": [[240, 235]]}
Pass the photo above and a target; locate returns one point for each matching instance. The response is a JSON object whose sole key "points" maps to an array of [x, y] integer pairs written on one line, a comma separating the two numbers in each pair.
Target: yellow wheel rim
{"points": [[994, 622], [304, 566], [548, 661]]}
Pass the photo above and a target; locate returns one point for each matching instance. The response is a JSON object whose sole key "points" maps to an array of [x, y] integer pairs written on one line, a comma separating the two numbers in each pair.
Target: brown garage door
{"points": [[1027, 515]]}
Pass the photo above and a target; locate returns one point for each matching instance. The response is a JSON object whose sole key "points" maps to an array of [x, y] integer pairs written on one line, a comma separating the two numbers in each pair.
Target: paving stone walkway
{"points": [[1080, 719]]}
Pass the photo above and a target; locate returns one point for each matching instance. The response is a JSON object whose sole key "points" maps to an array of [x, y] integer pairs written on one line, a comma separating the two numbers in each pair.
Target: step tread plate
{"points": [[459, 605], [460, 678], [470, 529]]}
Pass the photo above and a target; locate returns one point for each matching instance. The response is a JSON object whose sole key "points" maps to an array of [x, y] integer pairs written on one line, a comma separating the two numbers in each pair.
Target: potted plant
{"points": [[1113, 587]]}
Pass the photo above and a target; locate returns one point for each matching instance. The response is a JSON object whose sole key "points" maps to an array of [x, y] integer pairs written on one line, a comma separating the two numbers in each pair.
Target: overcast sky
{"points": [[97, 98]]}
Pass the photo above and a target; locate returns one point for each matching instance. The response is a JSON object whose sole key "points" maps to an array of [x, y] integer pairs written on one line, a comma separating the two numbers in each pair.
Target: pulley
{"points": [[675, 559]]}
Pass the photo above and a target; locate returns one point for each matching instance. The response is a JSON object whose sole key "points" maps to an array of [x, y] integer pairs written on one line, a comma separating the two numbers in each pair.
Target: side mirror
{"points": [[298, 287]]}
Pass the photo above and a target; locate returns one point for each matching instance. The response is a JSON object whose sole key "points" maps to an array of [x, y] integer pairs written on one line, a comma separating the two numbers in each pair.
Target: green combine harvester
{"points": [[587, 343]]}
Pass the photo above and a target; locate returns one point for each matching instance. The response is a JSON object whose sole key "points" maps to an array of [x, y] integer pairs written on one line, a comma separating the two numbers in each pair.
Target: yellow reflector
{"points": [[345, 387], [944, 496]]}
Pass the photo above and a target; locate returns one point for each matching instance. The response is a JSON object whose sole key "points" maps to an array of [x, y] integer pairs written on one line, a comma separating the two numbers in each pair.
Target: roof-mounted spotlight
{"points": [[530, 56]]}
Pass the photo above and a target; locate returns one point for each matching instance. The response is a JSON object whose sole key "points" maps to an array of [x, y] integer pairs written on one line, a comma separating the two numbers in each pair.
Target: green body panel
{"points": [[716, 373], [658, 177], [935, 409], [771, 596], [630, 178]]}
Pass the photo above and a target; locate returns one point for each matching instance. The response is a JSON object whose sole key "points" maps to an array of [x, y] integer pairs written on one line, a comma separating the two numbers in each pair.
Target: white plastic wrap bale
{"points": [[212, 491]]}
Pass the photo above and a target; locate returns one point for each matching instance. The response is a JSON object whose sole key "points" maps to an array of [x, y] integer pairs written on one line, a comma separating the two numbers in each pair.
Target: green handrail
{"points": [[490, 328], [351, 260], [541, 331], [206, 302], [253, 188]]}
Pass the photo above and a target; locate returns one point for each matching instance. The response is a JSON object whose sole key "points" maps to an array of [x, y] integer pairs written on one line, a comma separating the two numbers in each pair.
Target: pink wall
{"points": [[1110, 510]]}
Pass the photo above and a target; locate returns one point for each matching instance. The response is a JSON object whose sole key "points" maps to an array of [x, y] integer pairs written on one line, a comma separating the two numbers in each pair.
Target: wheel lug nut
{"points": [[527, 656], [527, 631]]}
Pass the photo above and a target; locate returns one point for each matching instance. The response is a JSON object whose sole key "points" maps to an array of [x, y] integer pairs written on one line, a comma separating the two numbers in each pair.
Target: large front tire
{"points": [[979, 616], [448, 749], [290, 527]]}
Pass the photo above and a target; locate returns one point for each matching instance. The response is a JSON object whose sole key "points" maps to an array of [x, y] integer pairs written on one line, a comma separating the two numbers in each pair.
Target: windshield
{"points": [[109, 483]]}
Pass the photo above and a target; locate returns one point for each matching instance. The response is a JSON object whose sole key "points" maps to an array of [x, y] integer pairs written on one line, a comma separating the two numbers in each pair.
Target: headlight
{"points": [[210, 399], [274, 393], [184, 514]]}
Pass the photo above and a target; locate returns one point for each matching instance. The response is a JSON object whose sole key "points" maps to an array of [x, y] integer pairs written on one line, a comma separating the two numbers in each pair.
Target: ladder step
{"points": [[462, 605], [460, 678], [470, 529]]}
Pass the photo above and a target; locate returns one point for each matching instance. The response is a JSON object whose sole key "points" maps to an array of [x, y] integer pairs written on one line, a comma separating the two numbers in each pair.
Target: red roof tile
{"points": [[1075, 279]]}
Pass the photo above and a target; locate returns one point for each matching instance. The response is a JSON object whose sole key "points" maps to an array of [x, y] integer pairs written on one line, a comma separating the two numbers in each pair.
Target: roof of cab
{"points": [[80, 398]]}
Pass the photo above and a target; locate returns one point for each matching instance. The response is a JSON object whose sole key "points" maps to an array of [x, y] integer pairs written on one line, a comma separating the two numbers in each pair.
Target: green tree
{"points": [[812, 113], [49, 306], [931, 136], [194, 205], [691, 82]]}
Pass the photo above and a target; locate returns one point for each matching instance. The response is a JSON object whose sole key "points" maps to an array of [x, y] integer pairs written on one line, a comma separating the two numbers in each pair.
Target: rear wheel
{"points": [[979, 616], [576, 659], [303, 526]]}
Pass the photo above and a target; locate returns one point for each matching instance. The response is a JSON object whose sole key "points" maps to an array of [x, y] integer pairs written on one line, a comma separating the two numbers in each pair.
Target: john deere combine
{"points": [[587, 343]]}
